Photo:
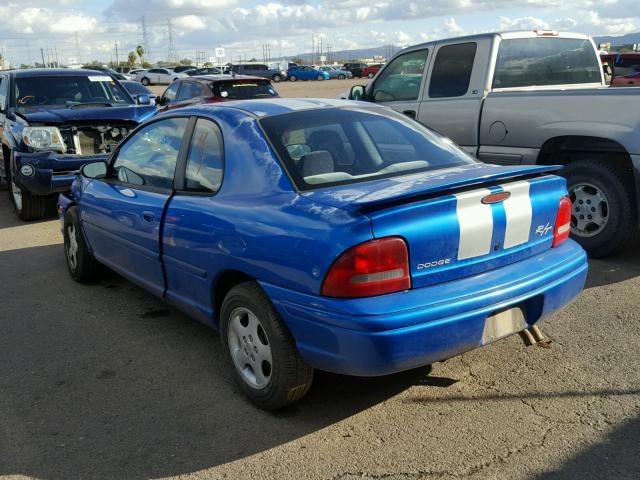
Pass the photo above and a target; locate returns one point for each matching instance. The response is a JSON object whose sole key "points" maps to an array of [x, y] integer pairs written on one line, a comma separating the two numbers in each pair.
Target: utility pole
{"points": [[171, 54], [145, 40], [55, 48], [42, 53], [117, 60], [77, 48]]}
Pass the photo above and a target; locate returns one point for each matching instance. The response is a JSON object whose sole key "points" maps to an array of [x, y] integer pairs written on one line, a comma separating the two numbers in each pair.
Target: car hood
{"points": [[59, 116]]}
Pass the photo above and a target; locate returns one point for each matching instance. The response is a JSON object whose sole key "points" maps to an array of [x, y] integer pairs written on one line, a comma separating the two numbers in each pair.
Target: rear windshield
{"points": [[243, 91], [69, 91], [539, 61], [337, 146]]}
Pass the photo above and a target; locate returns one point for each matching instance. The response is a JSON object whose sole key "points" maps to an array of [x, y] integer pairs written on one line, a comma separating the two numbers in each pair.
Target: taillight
{"points": [[372, 268], [562, 227]]}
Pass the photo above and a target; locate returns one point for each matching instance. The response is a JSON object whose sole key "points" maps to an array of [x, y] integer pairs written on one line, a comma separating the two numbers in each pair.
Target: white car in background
{"points": [[158, 76]]}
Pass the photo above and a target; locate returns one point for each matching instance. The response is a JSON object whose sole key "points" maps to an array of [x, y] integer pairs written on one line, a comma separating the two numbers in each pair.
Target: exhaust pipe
{"points": [[534, 336]]}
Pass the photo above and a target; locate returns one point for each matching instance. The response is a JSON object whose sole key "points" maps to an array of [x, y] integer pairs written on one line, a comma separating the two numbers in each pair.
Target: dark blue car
{"points": [[54, 121], [319, 234]]}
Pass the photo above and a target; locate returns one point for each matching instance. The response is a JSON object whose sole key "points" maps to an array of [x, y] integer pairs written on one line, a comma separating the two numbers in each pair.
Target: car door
{"points": [[195, 237], [399, 85], [455, 90], [164, 76], [122, 214]]}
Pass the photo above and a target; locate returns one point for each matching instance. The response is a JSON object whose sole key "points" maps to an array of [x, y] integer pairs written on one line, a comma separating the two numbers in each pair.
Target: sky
{"points": [[89, 29]]}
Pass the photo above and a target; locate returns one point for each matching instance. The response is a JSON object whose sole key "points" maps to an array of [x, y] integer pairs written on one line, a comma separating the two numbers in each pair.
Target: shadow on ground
{"points": [[105, 381], [614, 269]]}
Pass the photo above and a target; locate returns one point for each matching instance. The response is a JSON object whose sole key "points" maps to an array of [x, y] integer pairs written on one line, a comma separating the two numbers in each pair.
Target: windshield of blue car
{"points": [[334, 146], [242, 90], [69, 91]]}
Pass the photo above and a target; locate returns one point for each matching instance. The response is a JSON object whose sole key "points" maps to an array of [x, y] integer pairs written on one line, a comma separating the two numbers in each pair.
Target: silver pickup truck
{"points": [[535, 97]]}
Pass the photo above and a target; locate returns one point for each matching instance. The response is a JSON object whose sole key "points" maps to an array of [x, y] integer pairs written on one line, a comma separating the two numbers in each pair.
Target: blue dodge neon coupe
{"points": [[320, 234]]}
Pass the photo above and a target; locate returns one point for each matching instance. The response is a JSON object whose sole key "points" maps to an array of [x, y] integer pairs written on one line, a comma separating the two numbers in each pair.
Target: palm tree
{"points": [[131, 57], [140, 52]]}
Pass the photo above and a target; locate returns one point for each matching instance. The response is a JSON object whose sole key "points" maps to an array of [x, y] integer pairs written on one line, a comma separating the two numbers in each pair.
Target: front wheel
{"points": [[82, 265], [293, 78], [277, 78], [145, 81], [370, 75], [604, 212], [320, 77], [27, 206], [266, 363], [341, 76]]}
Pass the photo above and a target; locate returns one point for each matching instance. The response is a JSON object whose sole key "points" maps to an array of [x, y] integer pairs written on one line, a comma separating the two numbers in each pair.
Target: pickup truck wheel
{"points": [[292, 78], [27, 206], [603, 215], [266, 363], [145, 81], [82, 265]]}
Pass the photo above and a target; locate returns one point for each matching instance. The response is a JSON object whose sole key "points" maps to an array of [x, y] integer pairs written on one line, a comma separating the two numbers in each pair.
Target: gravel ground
{"points": [[105, 381]]}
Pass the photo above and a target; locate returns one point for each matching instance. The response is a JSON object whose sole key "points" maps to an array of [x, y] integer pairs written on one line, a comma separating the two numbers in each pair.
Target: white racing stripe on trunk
{"points": [[518, 211], [476, 224]]}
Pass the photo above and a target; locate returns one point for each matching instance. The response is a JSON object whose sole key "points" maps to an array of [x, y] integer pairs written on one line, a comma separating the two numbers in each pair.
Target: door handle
{"points": [[148, 217], [410, 113]]}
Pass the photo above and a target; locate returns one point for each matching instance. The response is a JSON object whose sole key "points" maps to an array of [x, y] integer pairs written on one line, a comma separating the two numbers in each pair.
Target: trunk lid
{"points": [[450, 232]]}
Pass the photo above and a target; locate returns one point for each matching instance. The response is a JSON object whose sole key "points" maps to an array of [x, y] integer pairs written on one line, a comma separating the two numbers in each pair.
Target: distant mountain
{"points": [[628, 39]]}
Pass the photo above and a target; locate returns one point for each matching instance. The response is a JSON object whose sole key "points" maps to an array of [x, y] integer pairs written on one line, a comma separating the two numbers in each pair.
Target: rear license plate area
{"points": [[502, 324]]}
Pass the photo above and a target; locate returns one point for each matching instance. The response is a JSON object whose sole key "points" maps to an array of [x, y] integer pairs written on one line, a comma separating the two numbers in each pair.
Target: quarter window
{"points": [[204, 162], [149, 158], [169, 94], [3, 93], [452, 69], [402, 78]]}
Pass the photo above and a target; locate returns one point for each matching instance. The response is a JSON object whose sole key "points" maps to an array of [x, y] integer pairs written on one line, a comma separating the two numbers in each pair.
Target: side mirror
{"points": [[357, 92], [144, 99], [94, 170]]}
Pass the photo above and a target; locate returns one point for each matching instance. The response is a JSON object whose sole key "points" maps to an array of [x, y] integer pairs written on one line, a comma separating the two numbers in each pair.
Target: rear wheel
{"points": [[276, 78], [266, 363], [145, 81], [604, 213], [27, 206], [341, 76], [293, 78], [82, 265]]}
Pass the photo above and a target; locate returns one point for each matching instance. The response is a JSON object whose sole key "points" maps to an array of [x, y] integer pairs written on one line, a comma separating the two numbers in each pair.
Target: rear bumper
{"points": [[54, 172], [395, 332]]}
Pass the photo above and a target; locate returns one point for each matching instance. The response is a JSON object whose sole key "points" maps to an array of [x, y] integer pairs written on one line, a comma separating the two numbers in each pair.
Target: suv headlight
{"points": [[44, 138]]}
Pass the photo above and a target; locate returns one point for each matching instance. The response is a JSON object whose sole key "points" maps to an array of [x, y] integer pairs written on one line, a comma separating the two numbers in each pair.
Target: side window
{"points": [[189, 90], [452, 70], [154, 70], [3, 93], [169, 94], [149, 157], [204, 162], [402, 78]]}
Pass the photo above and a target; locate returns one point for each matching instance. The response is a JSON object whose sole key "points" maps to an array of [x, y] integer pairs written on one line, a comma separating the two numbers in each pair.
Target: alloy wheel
{"points": [[250, 348]]}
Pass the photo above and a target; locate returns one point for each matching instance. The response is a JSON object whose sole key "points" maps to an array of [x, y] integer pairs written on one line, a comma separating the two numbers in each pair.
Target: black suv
{"points": [[355, 68]]}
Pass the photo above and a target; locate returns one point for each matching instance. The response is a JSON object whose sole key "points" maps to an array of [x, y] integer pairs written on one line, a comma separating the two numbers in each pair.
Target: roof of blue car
{"points": [[277, 106], [57, 72]]}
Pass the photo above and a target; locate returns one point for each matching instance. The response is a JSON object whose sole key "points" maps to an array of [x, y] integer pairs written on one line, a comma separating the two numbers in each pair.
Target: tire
{"points": [[82, 265], [603, 219], [145, 81], [284, 378], [293, 78], [276, 78], [27, 206], [341, 76], [320, 78], [370, 75]]}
